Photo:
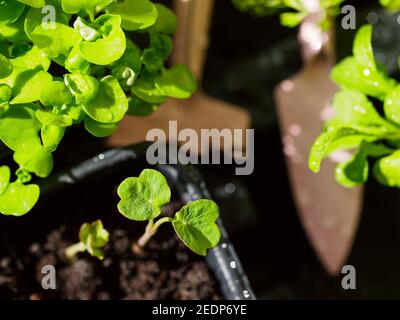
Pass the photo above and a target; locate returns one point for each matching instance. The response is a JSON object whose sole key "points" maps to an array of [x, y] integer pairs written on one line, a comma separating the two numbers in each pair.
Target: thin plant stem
{"points": [[151, 230]]}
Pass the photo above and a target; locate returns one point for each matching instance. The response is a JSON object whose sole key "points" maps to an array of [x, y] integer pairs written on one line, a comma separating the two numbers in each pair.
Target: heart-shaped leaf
{"points": [[94, 236], [18, 199], [39, 162], [143, 197], [196, 227]]}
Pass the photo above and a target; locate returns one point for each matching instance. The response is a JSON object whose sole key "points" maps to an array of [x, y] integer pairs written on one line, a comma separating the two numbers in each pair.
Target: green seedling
{"points": [[92, 238], [81, 69], [295, 11], [373, 138], [142, 199]]}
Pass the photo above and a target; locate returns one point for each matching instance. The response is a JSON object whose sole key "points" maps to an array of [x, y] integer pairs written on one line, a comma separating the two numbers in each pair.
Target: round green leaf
{"points": [[55, 41], [35, 17], [75, 6], [19, 128], [55, 93], [29, 85], [18, 199], [82, 86], [136, 15], [5, 175], [177, 82], [39, 162], [195, 225], [98, 129], [110, 104], [109, 49], [142, 197], [52, 119]]}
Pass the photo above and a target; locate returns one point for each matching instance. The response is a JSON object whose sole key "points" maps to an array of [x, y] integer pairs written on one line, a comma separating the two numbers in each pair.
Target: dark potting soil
{"points": [[166, 270]]}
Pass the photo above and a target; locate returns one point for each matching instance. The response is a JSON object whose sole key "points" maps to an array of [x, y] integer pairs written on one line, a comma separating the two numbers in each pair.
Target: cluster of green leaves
{"points": [[392, 5], [358, 123], [298, 10], [83, 68], [92, 238], [143, 197]]}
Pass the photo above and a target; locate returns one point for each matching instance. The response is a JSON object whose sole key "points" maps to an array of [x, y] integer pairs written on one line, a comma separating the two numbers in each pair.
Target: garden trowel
{"points": [[328, 211]]}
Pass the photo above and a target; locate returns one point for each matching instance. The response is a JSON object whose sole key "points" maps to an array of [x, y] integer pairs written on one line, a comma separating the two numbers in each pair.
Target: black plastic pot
{"points": [[187, 181]]}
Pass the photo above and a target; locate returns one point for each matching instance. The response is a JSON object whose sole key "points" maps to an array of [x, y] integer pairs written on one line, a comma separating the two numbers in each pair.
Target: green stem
{"points": [[151, 230], [73, 250]]}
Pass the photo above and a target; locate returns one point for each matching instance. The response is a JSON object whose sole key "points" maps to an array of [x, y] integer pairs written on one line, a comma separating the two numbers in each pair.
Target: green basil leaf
{"points": [[6, 67], [143, 197], [195, 225]]}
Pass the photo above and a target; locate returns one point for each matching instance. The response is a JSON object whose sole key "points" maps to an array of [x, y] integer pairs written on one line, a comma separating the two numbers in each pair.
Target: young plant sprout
{"points": [[356, 125], [80, 69], [142, 199], [92, 238], [298, 10]]}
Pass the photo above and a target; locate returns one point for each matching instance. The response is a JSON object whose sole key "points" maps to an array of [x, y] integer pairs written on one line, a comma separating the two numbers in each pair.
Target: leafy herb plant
{"points": [[366, 119], [98, 61], [295, 10], [92, 238], [142, 199]]}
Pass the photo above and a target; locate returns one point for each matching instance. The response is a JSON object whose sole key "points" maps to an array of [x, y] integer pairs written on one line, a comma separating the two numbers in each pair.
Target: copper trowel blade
{"points": [[328, 211]]}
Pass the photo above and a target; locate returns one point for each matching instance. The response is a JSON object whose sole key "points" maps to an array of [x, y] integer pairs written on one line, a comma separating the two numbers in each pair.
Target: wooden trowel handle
{"points": [[192, 37]]}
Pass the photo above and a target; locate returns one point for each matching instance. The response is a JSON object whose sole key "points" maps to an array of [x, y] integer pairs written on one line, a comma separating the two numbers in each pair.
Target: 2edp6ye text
{"points": [[200, 309]]}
